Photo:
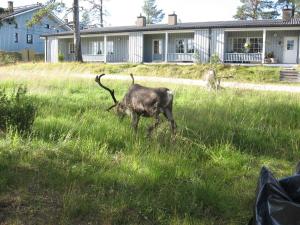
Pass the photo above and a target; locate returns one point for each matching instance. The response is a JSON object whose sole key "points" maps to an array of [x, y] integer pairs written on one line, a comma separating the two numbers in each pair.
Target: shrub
{"points": [[39, 57], [61, 57], [16, 110], [9, 57]]}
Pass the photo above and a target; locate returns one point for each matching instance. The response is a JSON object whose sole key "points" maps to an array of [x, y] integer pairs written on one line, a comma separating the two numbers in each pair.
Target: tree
{"points": [[51, 7], [85, 19], [292, 4], [77, 39], [256, 9], [153, 14], [97, 11]]}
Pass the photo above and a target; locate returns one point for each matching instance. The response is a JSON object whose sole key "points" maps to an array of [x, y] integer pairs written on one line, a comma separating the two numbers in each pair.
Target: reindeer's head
{"points": [[119, 107]]}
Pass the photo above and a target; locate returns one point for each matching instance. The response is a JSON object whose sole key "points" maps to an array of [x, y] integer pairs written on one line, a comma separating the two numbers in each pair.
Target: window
{"points": [[110, 47], [157, 47], [29, 39], [47, 26], [256, 45], [179, 46], [238, 44], [190, 46], [96, 48], [71, 48], [16, 37], [290, 44], [185, 45]]}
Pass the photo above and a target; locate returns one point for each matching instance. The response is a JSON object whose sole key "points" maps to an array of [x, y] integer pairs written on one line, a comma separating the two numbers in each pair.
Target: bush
{"points": [[39, 57], [16, 110], [9, 57], [61, 57]]}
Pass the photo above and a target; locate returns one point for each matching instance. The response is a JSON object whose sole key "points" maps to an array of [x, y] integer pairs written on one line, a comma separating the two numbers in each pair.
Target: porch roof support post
{"points": [[105, 48], [167, 47], [264, 46], [46, 49]]}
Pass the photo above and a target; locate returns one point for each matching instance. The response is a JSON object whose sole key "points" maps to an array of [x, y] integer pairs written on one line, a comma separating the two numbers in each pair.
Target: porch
{"points": [[262, 47]]}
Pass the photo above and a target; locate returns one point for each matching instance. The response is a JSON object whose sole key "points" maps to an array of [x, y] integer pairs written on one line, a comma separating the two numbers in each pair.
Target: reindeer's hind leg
{"points": [[135, 121], [169, 115], [155, 125]]}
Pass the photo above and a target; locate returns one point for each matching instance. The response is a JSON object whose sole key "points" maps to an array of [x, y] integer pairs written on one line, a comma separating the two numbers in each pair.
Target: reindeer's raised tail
{"points": [[131, 75]]}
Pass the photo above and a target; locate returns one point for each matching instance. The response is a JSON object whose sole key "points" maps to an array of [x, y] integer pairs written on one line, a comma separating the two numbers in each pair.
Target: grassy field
{"points": [[81, 165], [256, 74]]}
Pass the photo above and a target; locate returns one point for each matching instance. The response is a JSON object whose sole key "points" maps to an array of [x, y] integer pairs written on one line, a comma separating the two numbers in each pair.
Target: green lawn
{"points": [[257, 74], [81, 165]]}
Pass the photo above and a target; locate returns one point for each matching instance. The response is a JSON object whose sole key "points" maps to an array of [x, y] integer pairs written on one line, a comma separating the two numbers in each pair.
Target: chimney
{"points": [[10, 7], [141, 21], [287, 14], [172, 19]]}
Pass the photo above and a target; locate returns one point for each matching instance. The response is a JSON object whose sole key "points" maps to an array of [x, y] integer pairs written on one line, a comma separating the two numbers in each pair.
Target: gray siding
{"points": [[120, 49], [275, 42], [8, 31], [136, 41], [201, 42], [218, 42]]}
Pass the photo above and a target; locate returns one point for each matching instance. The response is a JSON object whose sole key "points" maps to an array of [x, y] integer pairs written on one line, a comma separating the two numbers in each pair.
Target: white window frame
{"points": [[29, 41], [160, 47], [177, 44], [247, 41], [96, 47], [16, 37], [186, 42], [110, 47], [71, 48]]}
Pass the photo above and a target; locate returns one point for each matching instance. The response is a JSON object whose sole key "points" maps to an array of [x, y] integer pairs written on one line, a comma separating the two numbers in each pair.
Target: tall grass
{"points": [[81, 165]]}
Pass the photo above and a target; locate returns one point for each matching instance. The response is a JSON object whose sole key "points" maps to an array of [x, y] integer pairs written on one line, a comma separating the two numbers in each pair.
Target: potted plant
{"points": [[247, 47], [270, 58]]}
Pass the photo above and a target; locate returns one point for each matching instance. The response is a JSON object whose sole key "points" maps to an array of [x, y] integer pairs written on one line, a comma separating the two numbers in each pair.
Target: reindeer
{"points": [[140, 101]]}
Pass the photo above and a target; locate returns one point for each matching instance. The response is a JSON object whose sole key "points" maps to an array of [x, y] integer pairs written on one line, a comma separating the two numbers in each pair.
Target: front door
{"points": [[290, 50], [157, 50]]}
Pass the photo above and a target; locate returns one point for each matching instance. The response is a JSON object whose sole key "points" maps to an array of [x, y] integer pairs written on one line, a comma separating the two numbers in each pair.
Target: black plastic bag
{"points": [[277, 202]]}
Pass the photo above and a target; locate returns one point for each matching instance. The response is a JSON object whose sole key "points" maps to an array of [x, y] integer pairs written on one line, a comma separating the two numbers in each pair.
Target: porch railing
{"points": [[92, 58], [181, 57], [243, 57]]}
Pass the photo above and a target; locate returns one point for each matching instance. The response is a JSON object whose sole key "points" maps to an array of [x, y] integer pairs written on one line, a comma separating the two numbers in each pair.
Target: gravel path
{"points": [[201, 83]]}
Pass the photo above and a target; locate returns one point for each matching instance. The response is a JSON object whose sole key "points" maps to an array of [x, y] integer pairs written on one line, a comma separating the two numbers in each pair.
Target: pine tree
{"points": [[292, 4], [153, 14], [85, 19], [256, 9]]}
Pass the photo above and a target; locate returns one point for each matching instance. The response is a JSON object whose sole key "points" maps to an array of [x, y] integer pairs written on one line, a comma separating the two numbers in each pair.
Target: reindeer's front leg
{"points": [[169, 115], [135, 118]]}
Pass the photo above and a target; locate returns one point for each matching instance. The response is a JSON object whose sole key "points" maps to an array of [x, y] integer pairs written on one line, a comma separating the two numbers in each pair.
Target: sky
{"points": [[124, 12]]}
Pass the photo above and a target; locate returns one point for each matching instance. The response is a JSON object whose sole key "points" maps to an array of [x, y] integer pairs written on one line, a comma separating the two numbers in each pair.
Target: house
{"points": [[257, 41], [15, 36]]}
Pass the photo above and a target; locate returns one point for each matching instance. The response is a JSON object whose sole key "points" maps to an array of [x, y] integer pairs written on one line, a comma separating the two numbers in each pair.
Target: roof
{"points": [[21, 9], [190, 26], [27, 8]]}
